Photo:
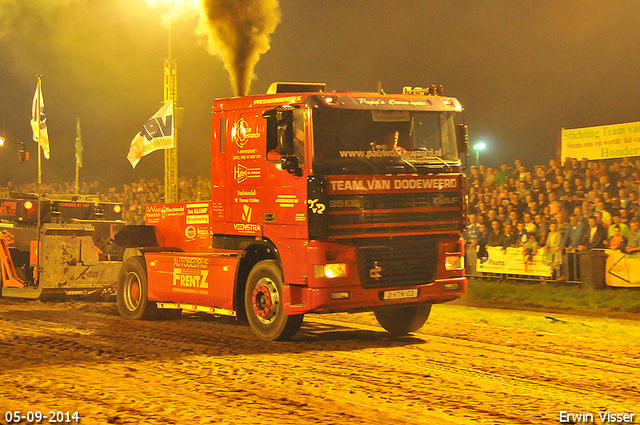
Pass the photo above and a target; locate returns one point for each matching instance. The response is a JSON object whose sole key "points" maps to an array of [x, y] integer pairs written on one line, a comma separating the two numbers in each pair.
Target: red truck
{"points": [[321, 202]]}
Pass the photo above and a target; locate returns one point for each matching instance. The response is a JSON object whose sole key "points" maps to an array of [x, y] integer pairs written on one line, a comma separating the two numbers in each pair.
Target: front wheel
{"points": [[264, 304], [400, 321], [132, 292]]}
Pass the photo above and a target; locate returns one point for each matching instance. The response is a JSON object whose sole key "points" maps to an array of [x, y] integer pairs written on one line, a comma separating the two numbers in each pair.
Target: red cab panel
{"points": [[200, 279]]}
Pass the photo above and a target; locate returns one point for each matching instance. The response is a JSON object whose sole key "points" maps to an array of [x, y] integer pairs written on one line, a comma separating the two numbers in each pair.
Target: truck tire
{"points": [[403, 320], [132, 291], [264, 304]]}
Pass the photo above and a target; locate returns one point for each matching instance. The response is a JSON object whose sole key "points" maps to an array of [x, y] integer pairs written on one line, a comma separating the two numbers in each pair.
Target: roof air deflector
{"points": [[276, 88]]}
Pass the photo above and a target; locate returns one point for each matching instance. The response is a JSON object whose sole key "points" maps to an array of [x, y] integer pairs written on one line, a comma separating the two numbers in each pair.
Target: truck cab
{"points": [[321, 202]]}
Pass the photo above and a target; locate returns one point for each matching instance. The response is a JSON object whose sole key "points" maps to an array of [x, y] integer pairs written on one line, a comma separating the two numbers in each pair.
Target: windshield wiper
{"points": [[439, 159], [408, 163]]}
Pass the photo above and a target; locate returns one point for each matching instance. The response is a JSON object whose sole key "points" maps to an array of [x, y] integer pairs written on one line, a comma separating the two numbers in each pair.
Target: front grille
{"points": [[396, 217], [377, 214], [396, 261], [394, 200]]}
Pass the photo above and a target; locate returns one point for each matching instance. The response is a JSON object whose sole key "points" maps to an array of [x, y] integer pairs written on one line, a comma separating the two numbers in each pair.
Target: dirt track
{"points": [[341, 369]]}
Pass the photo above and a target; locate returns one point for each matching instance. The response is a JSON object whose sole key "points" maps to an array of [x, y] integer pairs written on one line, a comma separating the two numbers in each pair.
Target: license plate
{"points": [[402, 294]]}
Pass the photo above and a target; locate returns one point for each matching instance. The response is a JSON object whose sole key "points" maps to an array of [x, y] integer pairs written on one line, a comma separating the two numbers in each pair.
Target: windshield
{"points": [[376, 136]]}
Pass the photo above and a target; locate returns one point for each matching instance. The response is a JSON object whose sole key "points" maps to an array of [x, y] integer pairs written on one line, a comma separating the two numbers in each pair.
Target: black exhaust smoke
{"points": [[239, 33]]}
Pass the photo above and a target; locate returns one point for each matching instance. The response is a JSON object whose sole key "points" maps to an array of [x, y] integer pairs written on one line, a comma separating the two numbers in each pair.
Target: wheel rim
{"points": [[265, 300], [131, 294]]}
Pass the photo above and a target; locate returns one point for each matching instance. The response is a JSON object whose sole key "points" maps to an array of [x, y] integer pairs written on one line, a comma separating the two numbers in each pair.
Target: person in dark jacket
{"points": [[594, 236], [483, 239], [510, 237], [495, 234]]}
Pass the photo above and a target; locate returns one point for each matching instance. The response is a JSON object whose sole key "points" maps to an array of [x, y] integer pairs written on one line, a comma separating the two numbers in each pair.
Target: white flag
{"points": [[41, 134], [156, 134]]}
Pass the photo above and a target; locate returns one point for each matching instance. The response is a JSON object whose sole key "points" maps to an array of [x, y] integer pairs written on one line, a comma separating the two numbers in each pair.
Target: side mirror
{"points": [[462, 137], [272, 129], [290, 163], [280, 130], [286, 145]]}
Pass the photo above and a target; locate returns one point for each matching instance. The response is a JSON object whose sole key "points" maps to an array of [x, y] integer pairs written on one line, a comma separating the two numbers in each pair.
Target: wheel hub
{"points": [[131, 294], [265, 300]]}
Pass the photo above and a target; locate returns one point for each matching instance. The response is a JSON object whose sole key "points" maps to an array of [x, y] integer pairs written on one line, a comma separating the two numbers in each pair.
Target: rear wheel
{"points": [[132, 291], [264, 304], [400, 321]]}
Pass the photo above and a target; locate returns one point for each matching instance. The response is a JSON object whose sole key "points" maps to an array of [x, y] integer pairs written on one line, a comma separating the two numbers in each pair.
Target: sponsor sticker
{"points": [[190, 232], [203, 232], [276, 100], [287, 201], [246, 227], [246, 213], [316, 207], [242, 132], [192, 262], [164, 211], [198, 219], [242, 173], [342, 185], [190, 281]]}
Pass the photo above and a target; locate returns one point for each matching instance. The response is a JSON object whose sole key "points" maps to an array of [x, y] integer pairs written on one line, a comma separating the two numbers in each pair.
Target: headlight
{"points": [[329, 270], [454, 263]]}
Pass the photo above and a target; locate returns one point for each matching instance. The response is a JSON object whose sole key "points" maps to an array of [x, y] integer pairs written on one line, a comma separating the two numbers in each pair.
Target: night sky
{"points": [[522, 69]]}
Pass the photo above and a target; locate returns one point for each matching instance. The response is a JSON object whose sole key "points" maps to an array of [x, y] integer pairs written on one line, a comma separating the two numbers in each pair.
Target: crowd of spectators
{"points": [[133, 196], [551, 209], [554, 209]]}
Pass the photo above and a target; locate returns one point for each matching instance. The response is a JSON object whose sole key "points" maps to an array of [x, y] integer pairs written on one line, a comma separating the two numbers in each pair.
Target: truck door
{"points": [[284, 201]]}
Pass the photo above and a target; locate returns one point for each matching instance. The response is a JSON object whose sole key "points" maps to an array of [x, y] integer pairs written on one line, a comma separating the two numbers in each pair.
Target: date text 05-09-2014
{"points": [[47, 417]]}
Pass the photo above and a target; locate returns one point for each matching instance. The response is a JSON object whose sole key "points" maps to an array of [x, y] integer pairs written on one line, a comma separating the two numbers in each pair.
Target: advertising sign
{"points": [[607, 141], [623, 270], [511, 261]]}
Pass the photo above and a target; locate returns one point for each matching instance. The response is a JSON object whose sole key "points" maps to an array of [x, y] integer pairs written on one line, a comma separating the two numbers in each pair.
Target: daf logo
{"points": [[444, 200], [375, 271]]}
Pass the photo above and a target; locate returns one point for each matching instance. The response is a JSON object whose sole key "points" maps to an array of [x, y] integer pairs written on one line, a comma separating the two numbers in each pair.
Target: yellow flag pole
{"points": [[38, 111]]}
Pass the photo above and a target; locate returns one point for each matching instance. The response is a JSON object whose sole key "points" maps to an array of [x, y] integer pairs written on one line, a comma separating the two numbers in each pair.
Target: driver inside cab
{"points": [[391, 142]]}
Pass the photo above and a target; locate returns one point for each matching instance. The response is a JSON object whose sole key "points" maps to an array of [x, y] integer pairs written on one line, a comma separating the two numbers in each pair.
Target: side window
{"points": [[223, 133], [299, 137]]}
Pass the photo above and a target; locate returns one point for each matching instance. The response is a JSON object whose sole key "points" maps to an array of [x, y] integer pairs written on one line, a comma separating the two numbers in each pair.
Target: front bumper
{"points": [[302, 299]]}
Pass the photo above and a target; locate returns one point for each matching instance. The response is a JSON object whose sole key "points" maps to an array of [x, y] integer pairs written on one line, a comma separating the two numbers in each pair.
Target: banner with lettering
{"points": [[511, 261], [607, 141], [157, 133], [623, 270]]}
